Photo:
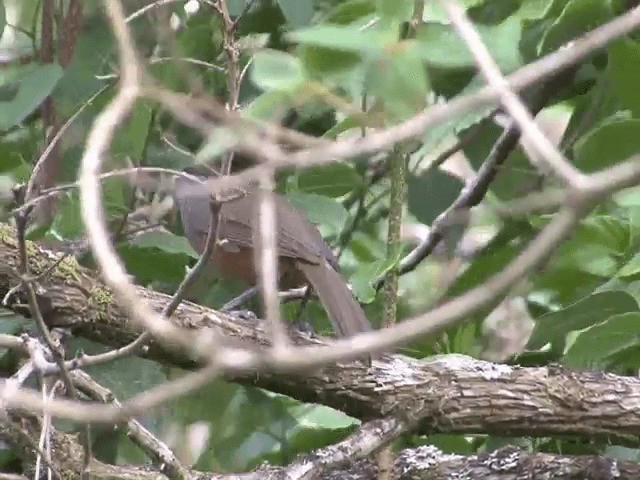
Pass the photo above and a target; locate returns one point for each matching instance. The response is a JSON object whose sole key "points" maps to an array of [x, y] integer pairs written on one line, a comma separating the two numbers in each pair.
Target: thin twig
{"points": [[54, 141], [266, 256]]}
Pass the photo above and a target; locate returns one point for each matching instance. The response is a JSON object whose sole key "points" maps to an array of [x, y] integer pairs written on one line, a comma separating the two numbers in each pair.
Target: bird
{"points": [[304, 258]]}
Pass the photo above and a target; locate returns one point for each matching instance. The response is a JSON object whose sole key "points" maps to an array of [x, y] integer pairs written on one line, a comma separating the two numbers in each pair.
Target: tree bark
{"points": [[447, 394]]}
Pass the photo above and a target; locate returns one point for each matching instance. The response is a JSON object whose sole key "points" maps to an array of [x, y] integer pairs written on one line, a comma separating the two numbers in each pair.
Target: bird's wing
{"points": [[296, 237]]}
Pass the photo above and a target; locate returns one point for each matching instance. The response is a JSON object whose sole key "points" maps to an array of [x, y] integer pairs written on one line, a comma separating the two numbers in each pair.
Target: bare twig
{"points": [[114, 173], [54, 141], [147, 8], [266, 256]]}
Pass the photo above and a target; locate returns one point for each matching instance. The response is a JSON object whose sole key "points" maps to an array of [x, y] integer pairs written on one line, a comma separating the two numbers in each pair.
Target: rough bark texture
{"points": [[448, 394]]}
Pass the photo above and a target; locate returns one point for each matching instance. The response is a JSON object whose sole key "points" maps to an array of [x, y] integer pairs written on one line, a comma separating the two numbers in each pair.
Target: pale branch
{"points": [[449, 394]]}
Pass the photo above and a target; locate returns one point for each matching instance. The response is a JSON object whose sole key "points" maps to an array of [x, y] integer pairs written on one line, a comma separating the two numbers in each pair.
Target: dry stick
{"points": [[11, 341], [114, 173], [44, 444], [548, 153], [266, 258], [97, 144], [370, 437], [230, 48], [54, 141], [149, 7]]}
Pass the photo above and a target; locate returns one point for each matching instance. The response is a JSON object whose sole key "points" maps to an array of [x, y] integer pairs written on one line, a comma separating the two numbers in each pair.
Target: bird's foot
{"points": [[242, 314], [302, 326]]}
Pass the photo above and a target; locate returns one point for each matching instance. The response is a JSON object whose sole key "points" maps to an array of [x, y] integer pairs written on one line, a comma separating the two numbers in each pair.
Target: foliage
{"points": [[316, 58]]}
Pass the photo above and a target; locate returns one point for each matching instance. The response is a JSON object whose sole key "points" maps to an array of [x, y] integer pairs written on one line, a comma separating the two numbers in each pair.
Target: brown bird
{"points": [[304, 257]]}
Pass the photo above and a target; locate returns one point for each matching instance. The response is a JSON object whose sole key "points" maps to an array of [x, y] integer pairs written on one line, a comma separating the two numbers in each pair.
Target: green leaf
{"points": [[589, 258], [297, 12], [627, 198], [275, 70], [362, 281], [593, 346], [34, 82], [165, 241], [3, 17], [624, 70], [441, 46], [533, 9], [219, 141], [350, 11], [433, 11], [116, 196], [11, 323], [320, 210], [131, 138], [269, 104], [608, 144], [607, 231], [333, 180], [430, 193], [598, 106], [236, 7], [67, 223], [153, 263], [595, 248], [631, 268], [15, 148], [325, 61], [343, 126], [578, 17], [79, 82], [399, 79], [397, 10], [589, 311], [622, 453], [346, 39], [125, 377]]}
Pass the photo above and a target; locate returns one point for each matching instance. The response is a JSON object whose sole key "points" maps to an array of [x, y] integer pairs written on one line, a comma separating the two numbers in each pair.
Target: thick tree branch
{"points": [[449, 394]]}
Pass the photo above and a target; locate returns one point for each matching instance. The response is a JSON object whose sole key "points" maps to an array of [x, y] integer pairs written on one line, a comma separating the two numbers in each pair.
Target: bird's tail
{"points": [[345, 312]]}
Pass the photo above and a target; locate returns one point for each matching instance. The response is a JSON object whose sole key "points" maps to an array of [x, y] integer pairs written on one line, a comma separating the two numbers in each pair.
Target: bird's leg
{"points": [[234, 303], [298, 323]]}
